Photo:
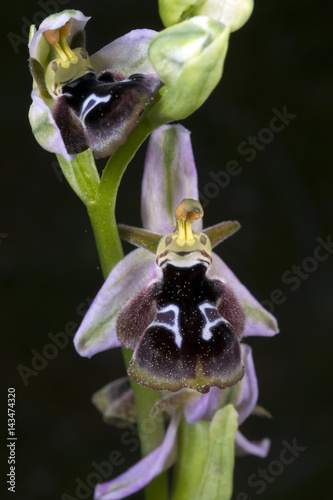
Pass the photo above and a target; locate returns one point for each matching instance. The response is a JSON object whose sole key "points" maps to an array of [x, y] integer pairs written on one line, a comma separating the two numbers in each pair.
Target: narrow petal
{"points": [[38, 46], [221, 231], [171, 401], [259, 322], [203, 408], [44, 127], [126, 55], [97, 331], [258, 448], [169, 177], [248, 394], [116, 402], [140, 237], [138, 476]]}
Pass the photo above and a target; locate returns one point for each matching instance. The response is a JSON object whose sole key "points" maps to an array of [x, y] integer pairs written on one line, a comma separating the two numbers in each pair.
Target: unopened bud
{"points": [[188, 58], [231, 13]]}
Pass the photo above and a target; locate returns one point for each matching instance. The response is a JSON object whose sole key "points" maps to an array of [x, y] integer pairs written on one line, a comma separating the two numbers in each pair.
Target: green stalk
{"points": [[102, 210], [102, 216], [151, 436], [193, 444]]}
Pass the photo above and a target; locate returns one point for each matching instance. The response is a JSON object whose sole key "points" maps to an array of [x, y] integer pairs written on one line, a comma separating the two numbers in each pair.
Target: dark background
{"points": [[283, 199]]}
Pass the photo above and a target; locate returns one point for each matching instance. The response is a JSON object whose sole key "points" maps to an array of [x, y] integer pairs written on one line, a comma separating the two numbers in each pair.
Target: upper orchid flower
{"points": [[125, 311], [82, 102]]}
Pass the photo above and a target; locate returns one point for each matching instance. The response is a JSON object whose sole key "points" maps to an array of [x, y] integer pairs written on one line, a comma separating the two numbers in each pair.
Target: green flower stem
{"points": [[102, 217], [102, 210], [105, 230], [151, 431], [193, 450]]}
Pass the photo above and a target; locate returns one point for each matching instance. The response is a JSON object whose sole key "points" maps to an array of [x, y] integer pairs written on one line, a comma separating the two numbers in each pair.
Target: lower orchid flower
{"points": [[194, 408]]}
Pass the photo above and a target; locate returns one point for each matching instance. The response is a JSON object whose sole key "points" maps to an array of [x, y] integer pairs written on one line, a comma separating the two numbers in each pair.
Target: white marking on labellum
{"points": [[185, 260], [169, 322], [212, 317], [91, 102]]}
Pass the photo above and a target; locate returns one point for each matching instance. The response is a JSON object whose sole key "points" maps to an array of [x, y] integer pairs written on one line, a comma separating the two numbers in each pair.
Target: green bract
{"points": [[188, 58], [207, 475], [232, 13]]}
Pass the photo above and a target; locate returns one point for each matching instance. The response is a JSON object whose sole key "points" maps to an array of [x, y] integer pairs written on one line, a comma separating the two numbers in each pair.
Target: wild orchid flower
{"points": [[169, 177], [82, 102]]}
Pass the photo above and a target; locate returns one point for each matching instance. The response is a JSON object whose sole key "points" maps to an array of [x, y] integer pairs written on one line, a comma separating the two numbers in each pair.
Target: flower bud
{"points": [[176, 11], [188, 58], [231, 13]]}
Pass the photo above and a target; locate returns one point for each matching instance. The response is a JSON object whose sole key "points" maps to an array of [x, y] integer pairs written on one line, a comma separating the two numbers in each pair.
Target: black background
{"points": [[283, 199]]}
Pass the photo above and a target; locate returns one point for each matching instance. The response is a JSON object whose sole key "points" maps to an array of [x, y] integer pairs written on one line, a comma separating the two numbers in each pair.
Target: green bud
{"points": [[231, 13], [188, 58], [217, 476], [207, 475], [176, 11]]}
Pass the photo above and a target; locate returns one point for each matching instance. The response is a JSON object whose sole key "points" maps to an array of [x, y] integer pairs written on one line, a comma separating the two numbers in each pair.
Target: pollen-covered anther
{"points": [[186, 213], [58, 39]]}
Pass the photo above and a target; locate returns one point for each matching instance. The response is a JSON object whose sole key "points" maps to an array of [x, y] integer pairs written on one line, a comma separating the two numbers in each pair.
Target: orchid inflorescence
{"points": [[176, 309]]}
